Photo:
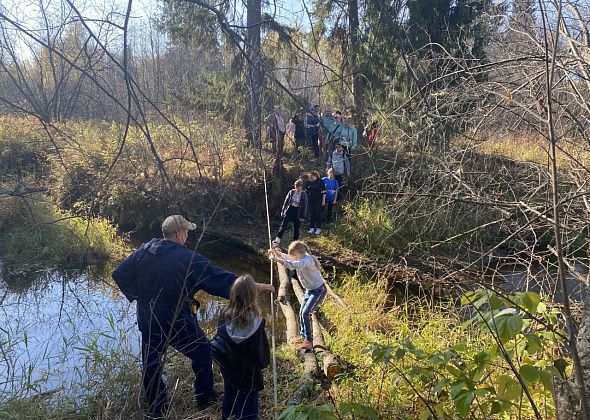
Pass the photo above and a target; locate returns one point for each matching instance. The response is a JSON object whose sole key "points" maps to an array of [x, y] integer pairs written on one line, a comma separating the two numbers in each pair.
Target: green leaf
{"points": [[482, 357], [495, 301], [530, 300], [358, 411], [463, 401], [400, 353], [529, 373], [496, 408], [468, 298], [508, 388], [454, 371], [440, 386], [534, 343], [456, 388], [507, 324], [547, 379]]}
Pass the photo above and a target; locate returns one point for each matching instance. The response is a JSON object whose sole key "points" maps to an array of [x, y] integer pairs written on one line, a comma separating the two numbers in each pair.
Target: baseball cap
{"points": [[174, 223]]}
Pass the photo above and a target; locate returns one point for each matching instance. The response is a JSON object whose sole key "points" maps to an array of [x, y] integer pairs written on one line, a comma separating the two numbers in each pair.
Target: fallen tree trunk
{"points": [[310, 366], [329, 360], [286, 308]]}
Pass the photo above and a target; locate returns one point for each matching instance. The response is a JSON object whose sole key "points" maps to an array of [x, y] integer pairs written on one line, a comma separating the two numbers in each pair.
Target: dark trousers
{"points": [[299, 140], [186, 337], [315, 207], [291, 216], [341, 186], [313, 143], [328, 209], [238, 404]]}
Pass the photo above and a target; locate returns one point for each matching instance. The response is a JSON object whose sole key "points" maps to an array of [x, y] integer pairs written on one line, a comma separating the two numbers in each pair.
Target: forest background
{"points": [[109, 120]]}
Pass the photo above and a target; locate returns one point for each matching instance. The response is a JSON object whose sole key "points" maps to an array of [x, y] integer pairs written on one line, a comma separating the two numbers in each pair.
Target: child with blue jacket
{"points": [[332, 186]]}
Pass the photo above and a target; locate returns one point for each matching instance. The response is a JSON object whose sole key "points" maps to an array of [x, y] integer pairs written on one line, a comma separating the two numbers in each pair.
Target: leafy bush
{"points": [[424, 360]]}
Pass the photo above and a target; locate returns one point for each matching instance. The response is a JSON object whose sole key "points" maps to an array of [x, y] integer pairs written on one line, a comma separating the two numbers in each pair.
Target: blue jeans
{"points": [[311, 300], [238, 404]]}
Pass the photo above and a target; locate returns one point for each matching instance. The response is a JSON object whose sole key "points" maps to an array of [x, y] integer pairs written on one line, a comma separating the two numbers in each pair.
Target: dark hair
{"points": [[315, 173]]}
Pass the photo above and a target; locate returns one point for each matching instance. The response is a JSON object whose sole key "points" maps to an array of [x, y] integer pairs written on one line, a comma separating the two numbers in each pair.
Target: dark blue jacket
{"points": [[302, 212], [168, 275]]}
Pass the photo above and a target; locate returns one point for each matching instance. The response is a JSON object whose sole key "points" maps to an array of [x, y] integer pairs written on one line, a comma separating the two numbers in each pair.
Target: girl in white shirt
{"points": [[309, 274]]}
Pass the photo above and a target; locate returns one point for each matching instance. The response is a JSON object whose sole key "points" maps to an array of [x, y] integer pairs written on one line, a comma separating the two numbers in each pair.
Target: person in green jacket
{"points": [[348, 137]]}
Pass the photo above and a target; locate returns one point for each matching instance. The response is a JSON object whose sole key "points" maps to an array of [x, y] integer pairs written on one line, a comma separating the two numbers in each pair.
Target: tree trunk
{"points": [[357, 81], [253, 114], [567, 394]]}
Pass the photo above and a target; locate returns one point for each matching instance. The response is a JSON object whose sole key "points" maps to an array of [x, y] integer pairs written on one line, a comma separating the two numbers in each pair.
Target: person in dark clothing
{"points": [[299, 128], [168, 275], [294, 210], [316, 194], [312, 130], [241, 326]]}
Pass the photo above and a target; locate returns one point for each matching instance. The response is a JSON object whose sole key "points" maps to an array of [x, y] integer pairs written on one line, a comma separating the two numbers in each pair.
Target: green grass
{"points": [[34, 232], [422, 330]]}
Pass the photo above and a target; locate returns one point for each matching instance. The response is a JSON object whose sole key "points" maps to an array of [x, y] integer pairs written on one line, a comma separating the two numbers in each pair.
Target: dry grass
{"points": [[528, 147]]}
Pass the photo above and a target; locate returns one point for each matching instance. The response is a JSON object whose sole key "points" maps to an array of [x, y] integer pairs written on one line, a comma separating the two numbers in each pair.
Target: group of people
{"points": [[163, 276], [317, 130]]}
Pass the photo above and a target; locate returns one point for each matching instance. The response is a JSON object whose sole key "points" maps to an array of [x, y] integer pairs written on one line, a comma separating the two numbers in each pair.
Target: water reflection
{"points": [[542, 280], [55, 321]]}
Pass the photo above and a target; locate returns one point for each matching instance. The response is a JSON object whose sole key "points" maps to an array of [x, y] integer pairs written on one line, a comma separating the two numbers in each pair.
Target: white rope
{"points": [[272, 300]]}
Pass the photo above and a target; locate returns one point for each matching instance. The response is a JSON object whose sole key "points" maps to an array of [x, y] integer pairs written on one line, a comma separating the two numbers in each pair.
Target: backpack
{"points": [[222, 352]]}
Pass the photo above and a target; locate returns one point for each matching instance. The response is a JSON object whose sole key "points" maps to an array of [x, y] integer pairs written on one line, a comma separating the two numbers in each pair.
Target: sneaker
{"points": [[311, 230], [276, 242], [306, 345], [318, 231], [297, 339]]}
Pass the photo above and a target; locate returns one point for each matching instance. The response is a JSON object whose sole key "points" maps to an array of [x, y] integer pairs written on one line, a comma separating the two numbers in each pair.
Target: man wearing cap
{"points": [[168, 275]]}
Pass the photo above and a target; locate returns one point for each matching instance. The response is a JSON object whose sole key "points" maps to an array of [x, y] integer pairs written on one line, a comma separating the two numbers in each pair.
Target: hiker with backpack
{"points": [[163, 275], [294, 211], [340, 164], [332, 125], [348, 137], [241, 329]]}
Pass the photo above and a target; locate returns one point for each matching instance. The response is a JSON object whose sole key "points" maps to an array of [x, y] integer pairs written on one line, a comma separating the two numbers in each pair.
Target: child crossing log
{"points": [[310, 366], [330, 362]]}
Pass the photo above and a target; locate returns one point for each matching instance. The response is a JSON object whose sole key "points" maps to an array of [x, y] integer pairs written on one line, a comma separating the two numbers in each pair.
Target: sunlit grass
{"points": [[534, 148], [34, 232]]}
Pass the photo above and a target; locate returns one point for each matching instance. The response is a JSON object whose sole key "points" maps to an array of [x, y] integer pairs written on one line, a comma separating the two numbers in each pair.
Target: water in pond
{"points": [[542, 280], [52, 322]]}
